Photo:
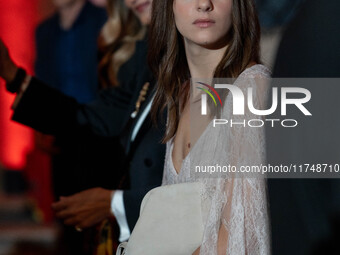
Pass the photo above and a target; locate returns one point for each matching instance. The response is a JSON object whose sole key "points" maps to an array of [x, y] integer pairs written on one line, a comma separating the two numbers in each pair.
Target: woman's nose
{"points": [[204, 5]]}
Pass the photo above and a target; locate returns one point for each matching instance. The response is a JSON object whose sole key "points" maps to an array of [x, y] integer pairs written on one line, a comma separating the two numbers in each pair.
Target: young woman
{"points": [[213, 39]]}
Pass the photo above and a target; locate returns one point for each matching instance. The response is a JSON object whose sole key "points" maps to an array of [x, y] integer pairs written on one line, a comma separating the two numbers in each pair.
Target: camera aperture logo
{"points": [[239, 105], [212, 97]]}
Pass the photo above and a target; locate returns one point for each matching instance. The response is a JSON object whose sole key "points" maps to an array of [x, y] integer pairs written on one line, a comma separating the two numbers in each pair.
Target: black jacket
{"points": [[305, 213], [50, 111]]}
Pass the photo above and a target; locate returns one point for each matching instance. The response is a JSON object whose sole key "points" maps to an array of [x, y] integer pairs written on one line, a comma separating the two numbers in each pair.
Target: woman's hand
{"points": [[7, 67], [84, 209]]}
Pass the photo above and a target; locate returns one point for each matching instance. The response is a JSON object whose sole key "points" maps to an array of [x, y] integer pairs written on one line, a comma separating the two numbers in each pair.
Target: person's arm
{"points": [[106, 116], [8, 69], [86, 208], [239, 203], [244, 220]]}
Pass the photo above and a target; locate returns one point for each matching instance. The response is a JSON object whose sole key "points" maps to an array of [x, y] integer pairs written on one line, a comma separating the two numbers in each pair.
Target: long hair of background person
{"points": [[117, 41]]}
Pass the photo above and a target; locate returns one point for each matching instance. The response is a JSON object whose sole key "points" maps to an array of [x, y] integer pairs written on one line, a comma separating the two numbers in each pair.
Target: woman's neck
{"points": [[202, 62]]}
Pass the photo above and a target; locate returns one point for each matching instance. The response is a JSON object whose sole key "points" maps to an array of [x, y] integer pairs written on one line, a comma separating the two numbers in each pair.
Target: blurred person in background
{"points": [[305, 213], [123, 66], [67, 52], [67, 59], [273, 14]]}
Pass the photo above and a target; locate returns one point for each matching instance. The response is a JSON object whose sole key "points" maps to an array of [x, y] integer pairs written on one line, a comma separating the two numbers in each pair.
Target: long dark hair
{"points": [[167, 59]]}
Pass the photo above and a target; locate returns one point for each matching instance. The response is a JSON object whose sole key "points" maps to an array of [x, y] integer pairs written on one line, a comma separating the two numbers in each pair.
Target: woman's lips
{"points": [[141, 7], [204, 23]]}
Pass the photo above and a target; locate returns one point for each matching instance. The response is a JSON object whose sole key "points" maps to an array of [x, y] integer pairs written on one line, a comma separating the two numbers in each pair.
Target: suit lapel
{"points": [[148, 97]]}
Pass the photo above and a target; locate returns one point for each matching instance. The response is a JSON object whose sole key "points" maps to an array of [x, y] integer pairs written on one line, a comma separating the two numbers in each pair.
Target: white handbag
{"points": [[170, 222]]}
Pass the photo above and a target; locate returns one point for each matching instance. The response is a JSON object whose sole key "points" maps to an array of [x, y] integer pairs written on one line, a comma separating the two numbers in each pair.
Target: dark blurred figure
{"points": [[67, 59], [67, 48], [276, 13], [305, 212]]}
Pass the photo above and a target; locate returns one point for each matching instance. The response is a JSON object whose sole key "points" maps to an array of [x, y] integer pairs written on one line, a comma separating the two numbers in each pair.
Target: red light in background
{"points": [[17, 23]]}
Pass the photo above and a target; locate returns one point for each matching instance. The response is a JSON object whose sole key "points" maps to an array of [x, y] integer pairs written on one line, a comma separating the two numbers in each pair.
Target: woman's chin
{"points": [[209, 42]]}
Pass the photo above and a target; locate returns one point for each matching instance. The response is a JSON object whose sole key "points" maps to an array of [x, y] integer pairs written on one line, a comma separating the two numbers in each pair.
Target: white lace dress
{"points": [[238, 204]]}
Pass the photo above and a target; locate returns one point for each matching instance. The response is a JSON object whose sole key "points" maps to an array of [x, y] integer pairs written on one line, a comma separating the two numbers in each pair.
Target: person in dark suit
{"points": [[62, 64], [145, 159], [305, 213], [109, 115], [67, 60]]}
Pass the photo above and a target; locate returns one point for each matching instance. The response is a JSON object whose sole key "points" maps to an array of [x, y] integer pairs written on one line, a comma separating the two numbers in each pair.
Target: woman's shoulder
{"points": [[257, 70], [256, 76]]}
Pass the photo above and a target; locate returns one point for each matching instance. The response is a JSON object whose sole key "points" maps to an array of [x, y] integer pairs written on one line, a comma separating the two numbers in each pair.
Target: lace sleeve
{"points": [[238, 220]]}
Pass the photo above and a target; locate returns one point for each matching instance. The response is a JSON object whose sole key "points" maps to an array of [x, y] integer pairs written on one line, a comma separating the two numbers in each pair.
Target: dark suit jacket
{"points": [[305, 212], [50, 111], [146, 162]]}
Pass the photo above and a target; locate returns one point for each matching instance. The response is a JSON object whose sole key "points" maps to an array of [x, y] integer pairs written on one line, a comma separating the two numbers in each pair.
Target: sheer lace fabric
{"points": [[232, 202]]}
